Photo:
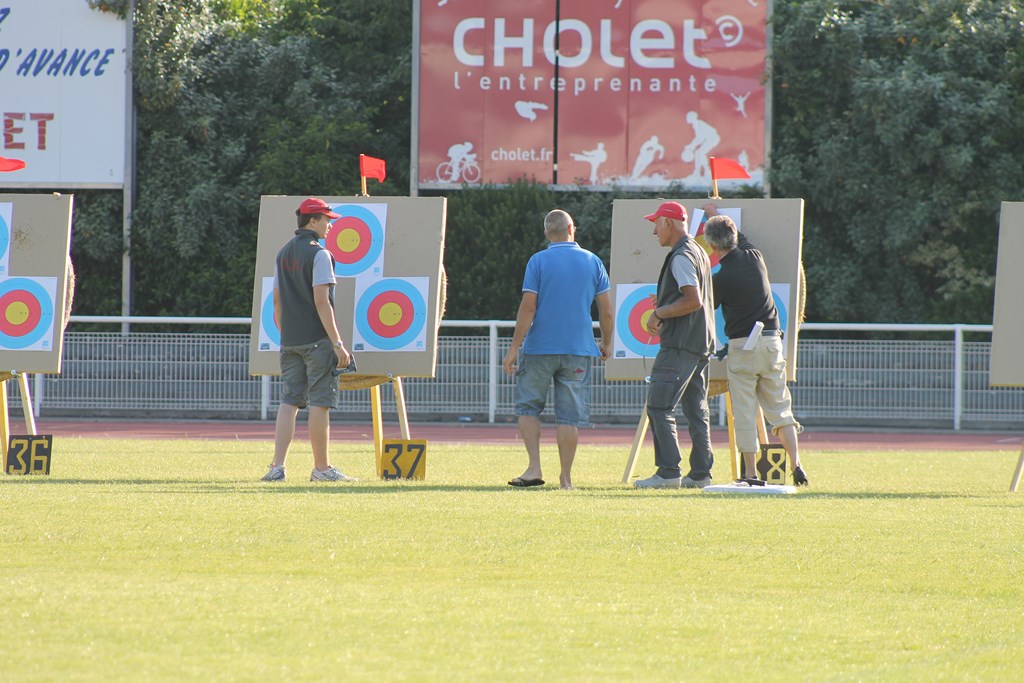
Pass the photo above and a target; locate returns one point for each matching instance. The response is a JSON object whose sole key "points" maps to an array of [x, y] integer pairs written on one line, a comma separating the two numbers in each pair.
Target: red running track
{"points": [[441, 432]]}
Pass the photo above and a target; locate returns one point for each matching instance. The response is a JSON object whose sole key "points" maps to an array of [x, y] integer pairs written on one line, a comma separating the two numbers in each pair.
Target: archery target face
{"points": [[780, 295], [6, 215], [356, 239], [390, 314], [26, 313], [633, 309], [270, 332]]}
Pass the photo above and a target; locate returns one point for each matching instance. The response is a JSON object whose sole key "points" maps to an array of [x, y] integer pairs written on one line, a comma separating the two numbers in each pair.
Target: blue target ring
{"points": [[626, 332], [368, 232], [5, 237], [413, 326], [20, 289], [720, 328], [783, 310], [267, 318]]}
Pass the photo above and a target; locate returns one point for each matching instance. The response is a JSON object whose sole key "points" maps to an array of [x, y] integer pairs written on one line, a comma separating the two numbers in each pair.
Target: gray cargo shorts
{"points": [[306, 375]]}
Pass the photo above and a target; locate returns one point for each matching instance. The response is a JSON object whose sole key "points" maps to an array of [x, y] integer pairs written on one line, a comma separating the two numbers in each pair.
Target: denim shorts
{"points": [[306, 375], [571, 375]]}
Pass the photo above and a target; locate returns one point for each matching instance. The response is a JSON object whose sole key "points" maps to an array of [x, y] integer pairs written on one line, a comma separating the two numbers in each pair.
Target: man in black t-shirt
{"points": [[757, 370]]}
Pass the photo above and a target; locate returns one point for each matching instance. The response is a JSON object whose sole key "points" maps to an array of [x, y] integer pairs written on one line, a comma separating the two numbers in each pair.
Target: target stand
{"points": [[26, 408], [1015, 482], [388, 301], [373, 383], [716, 387]]}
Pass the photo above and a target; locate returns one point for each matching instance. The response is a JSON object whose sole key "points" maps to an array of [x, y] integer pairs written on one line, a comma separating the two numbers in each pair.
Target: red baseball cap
{"points": [[314, 205], [673, 210]]}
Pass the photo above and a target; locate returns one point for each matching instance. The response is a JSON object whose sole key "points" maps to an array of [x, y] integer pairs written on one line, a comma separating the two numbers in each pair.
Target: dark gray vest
{"points": [[299, 322], [695, 332]]}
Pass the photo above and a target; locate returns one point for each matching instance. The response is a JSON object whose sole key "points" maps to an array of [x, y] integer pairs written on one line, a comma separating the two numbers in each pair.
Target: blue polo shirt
{"points": [[566, 278]]}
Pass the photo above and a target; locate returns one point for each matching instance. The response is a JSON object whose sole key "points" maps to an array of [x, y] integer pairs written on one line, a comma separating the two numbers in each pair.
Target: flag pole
{"points": [[362, 178], [714, 182]]}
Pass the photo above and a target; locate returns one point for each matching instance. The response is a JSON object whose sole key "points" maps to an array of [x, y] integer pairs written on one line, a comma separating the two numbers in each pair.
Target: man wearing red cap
{"points": [[311, 346], [684, 320]]}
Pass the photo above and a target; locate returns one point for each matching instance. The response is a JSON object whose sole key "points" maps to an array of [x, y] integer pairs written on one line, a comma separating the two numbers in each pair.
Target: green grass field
{"points": [[166, 560]]}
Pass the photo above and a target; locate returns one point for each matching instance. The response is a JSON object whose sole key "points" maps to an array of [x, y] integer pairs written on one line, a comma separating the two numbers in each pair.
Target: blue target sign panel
{"points": [[633, 308], [35, 240], [356, 239], [390, 315]]}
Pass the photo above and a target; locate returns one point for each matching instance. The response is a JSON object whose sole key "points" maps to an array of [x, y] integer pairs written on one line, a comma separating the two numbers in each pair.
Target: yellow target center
{"points": [[348, 240], [644, 317], [390, 314], [16, 313]]}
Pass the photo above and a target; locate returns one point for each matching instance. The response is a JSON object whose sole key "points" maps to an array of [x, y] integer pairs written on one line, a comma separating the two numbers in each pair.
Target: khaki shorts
{"points": [[758, 377], [306, 375]]}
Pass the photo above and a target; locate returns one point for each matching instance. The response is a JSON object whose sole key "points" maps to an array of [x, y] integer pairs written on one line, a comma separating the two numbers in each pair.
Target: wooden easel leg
{"points": [[734, 453], [638, 439], [403, 418], [1013, 484], [378, 427], [762, 431], [5, 431], [26, 404]]}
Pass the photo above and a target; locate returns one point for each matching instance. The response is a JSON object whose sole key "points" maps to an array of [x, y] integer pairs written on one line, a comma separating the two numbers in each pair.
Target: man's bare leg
{"points": [[529, 431], [749, 466], [568, 438], [319, 435], [787, 435], [284, 432]]}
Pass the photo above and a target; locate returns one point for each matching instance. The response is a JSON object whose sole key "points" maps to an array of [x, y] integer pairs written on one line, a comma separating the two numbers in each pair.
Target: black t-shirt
{"points": [[743, 291]]}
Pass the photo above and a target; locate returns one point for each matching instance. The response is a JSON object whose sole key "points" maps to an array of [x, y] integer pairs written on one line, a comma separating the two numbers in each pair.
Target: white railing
{"points": [[930, 382], [958, 331]]}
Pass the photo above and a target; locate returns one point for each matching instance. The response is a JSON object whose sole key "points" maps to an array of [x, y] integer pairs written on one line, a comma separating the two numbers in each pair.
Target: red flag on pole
{"points": [[7, 165], [371, 167], [724, 169]]}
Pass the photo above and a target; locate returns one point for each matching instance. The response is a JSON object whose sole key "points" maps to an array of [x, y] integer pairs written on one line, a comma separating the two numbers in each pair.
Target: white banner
{"points": [[62, 94]]}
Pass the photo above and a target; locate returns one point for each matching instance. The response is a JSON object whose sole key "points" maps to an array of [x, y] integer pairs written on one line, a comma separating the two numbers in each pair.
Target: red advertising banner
{"points": [[633, 93]]}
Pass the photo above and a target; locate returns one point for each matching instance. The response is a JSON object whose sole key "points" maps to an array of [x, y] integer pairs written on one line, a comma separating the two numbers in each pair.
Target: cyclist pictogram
{"points": [[461, 164]]}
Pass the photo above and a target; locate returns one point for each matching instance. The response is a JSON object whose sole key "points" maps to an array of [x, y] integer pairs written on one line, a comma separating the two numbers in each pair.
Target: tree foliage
{"points": [[897, 121]]}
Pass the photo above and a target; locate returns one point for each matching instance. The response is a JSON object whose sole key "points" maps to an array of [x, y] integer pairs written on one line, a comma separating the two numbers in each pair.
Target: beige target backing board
{"points": [[387, 302], [35, 240], [775, 226], [1006, 367]]}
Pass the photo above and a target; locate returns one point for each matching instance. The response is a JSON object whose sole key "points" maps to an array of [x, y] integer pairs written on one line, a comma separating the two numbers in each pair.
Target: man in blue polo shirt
{"points": [[556, 333]]}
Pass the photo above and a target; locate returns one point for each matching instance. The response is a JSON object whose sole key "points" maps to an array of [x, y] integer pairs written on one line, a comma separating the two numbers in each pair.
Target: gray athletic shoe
{"points": [[688, 483], [656, 482], [274, 473], [330, 474]]}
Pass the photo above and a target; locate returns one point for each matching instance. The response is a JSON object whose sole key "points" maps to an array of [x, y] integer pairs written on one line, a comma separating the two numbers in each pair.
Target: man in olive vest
{"points": [[311, 346], [684, 320]]}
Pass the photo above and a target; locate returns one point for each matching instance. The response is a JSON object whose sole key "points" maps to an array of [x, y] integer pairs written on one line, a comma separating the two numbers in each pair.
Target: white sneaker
{"points": [[274, 473], [656, 482], [330, 474], [688, 483]]}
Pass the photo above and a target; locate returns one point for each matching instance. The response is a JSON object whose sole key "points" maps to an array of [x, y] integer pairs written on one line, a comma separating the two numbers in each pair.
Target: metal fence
{"points": [[939, 382]]}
